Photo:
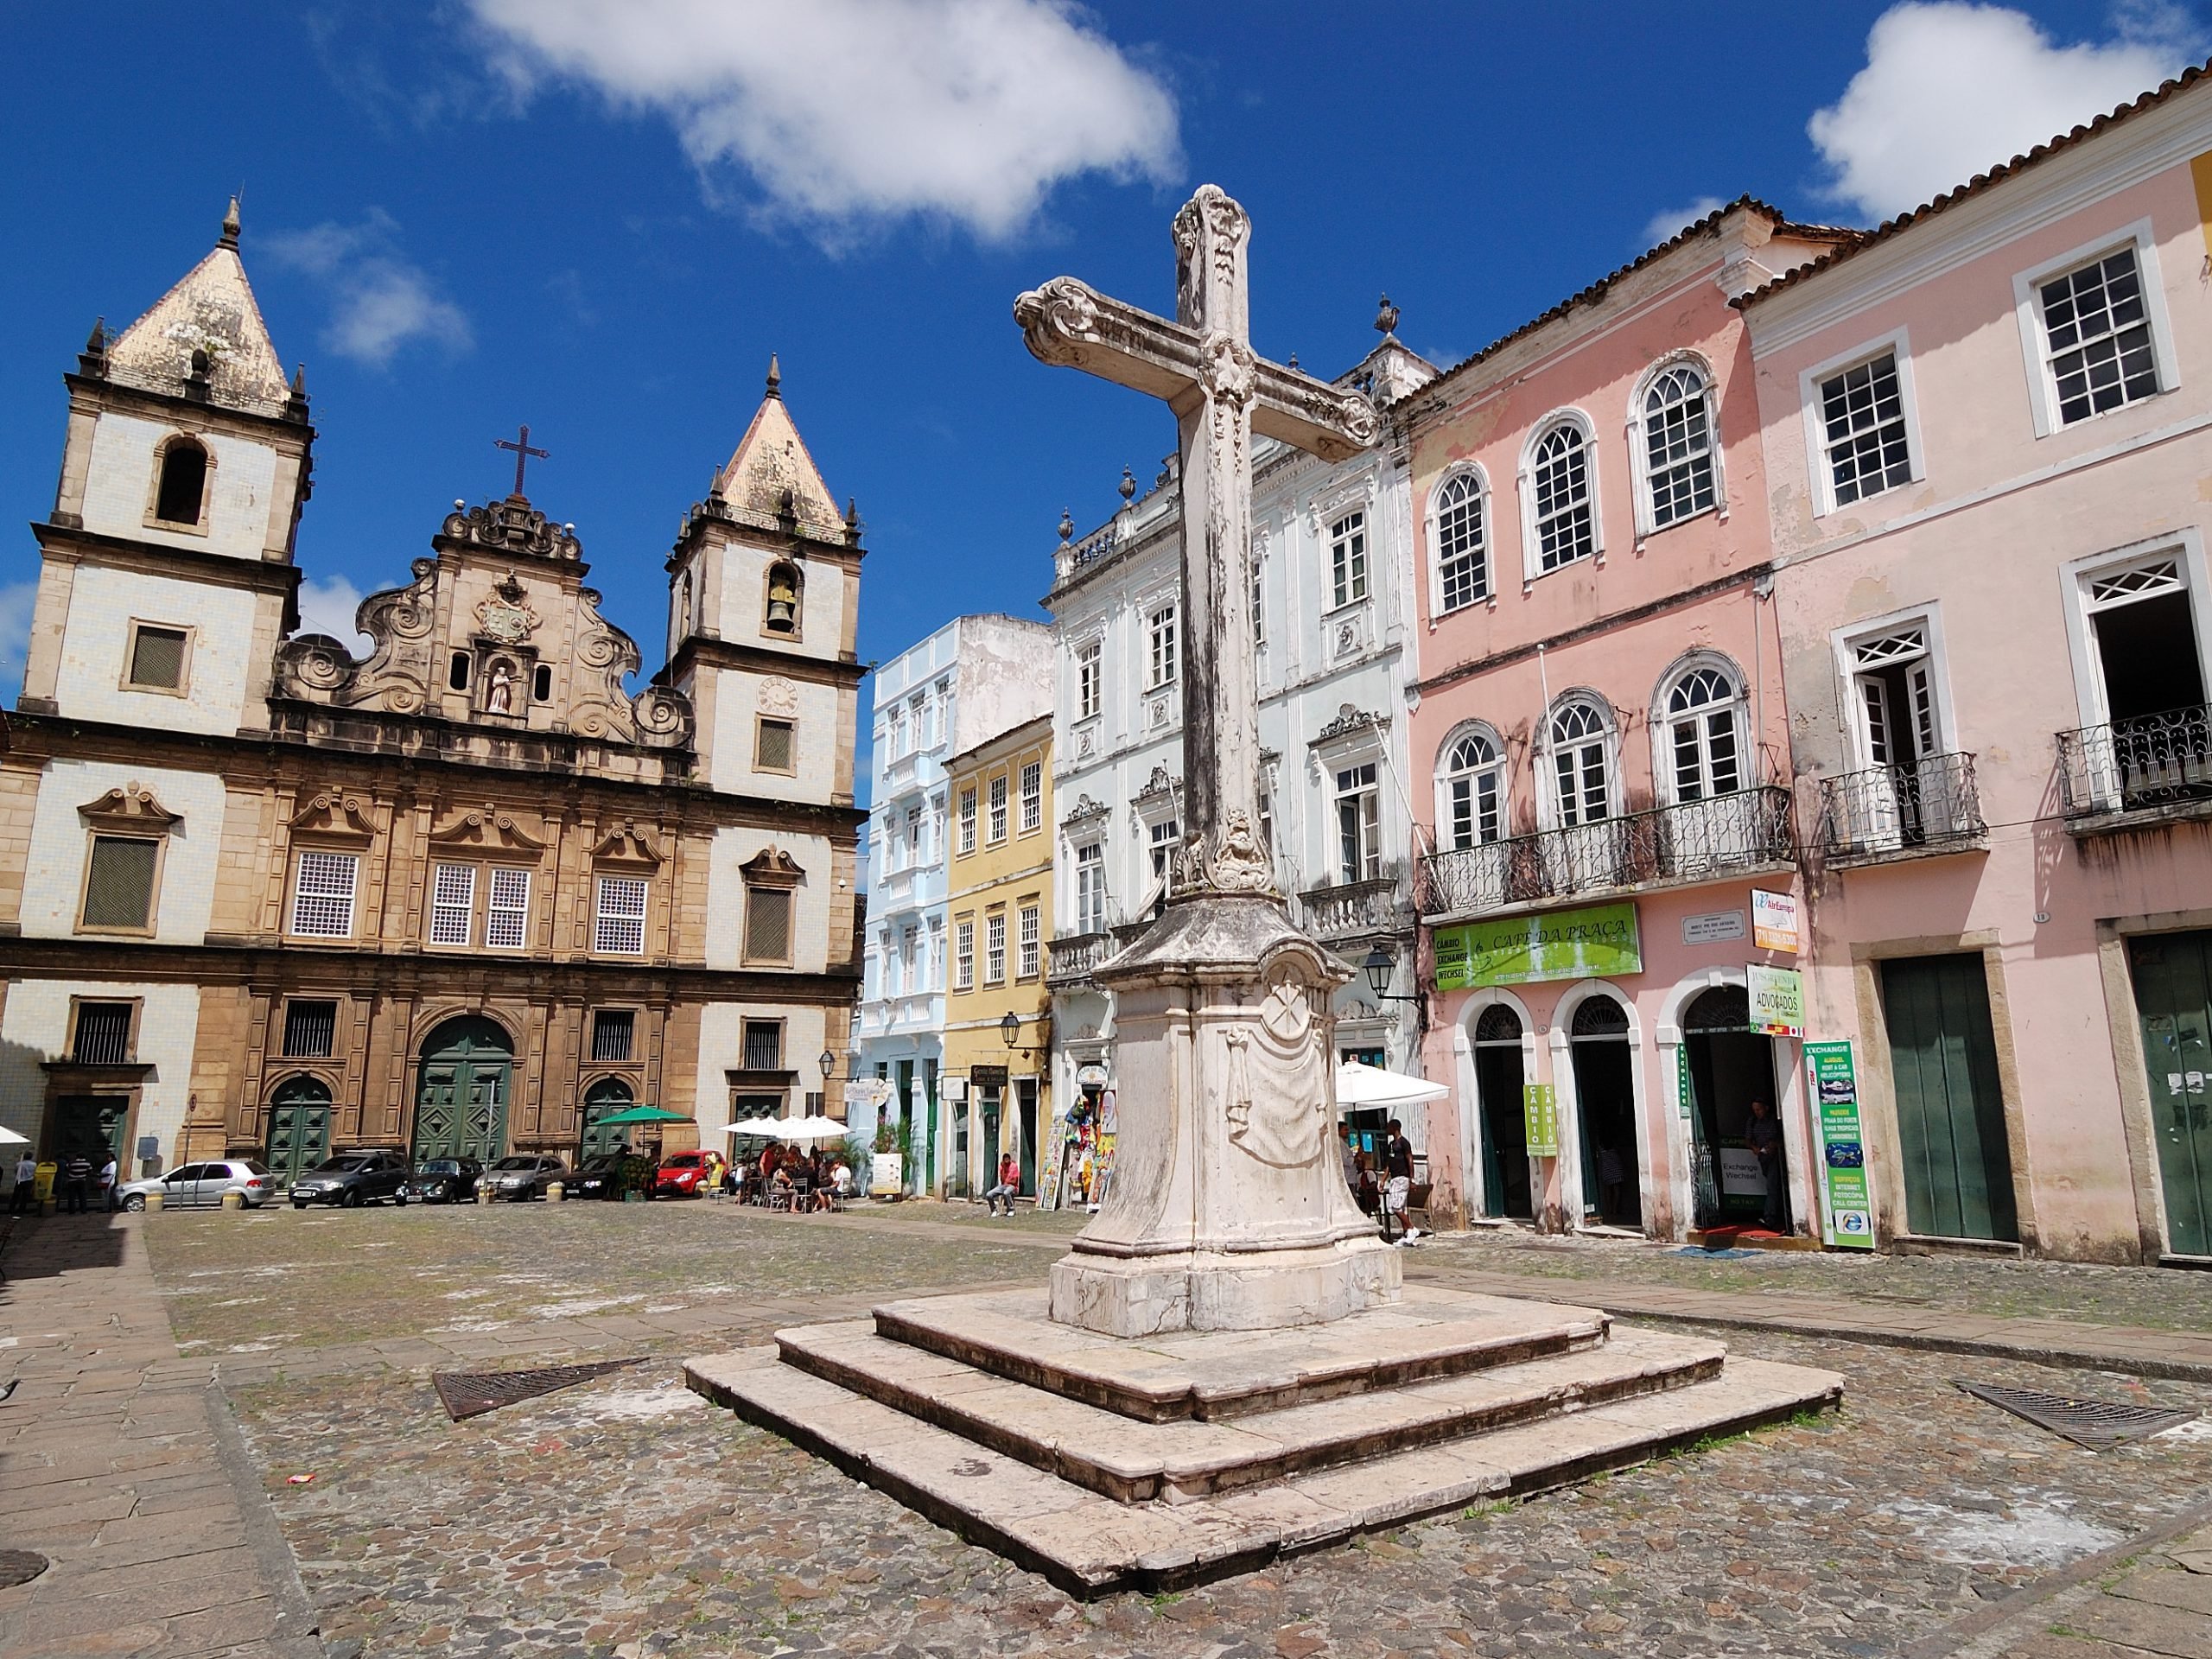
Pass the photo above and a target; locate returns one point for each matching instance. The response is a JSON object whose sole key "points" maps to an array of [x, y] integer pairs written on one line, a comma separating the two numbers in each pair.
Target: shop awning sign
{"points": [[1777, 996], [1597, 942]]}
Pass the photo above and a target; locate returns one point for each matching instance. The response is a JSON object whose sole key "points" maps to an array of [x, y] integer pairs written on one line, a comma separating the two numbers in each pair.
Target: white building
{"points": [[1333, 569], [974, 678]]}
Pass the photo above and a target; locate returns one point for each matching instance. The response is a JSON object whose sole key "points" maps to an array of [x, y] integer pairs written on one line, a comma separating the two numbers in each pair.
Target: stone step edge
{"points": [[1068, 1460], [888, 1451], [1092, 1388]]}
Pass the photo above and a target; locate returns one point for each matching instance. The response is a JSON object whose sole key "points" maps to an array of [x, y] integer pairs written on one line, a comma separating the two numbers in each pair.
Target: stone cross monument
{"points": [[1229, 1209]]}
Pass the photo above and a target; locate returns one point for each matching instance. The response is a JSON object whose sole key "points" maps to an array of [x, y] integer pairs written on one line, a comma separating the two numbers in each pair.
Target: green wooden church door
{"points": [[460, 1103]]}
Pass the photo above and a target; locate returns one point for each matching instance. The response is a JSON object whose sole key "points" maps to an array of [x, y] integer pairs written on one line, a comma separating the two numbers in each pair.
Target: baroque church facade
{"points": [[468, 893]]}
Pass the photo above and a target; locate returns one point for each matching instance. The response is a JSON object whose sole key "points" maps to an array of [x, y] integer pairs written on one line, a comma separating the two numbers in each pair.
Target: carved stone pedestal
{"points": [[1229, 1210]]}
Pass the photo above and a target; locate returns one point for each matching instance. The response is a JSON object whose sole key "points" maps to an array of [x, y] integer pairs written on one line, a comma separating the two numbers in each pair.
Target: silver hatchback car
{"points": [[204, 1183]]}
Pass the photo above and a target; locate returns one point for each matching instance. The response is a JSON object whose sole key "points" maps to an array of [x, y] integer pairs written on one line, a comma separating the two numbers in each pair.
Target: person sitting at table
{"points": [[781, 1187]]}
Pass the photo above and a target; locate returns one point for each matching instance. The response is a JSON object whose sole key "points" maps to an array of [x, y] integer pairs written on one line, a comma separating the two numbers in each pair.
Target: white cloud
{"points": [[327, 605], [848, 114], [1662, 226], [379, 301], [17, 600], [1952, 90]]}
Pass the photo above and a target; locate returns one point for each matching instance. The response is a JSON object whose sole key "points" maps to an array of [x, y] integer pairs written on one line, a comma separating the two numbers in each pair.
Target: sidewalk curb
{"points": [[297, 1634]]}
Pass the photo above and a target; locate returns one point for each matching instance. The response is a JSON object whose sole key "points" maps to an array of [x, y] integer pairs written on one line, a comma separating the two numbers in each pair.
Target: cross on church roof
{"points": [[523, 453]]}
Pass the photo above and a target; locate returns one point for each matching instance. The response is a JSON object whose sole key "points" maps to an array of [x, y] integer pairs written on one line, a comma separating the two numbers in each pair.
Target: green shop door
{"points": [[299, 1127], [1958, 1167], [460, 1104], [2173, 995], [91, 1124]]}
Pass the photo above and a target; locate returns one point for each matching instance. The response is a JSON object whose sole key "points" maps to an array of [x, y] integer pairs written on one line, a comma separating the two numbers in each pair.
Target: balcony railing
{"points": [[1355, 909], [2152, 760], [1075, 955], [1670, 846], [1929, 805]]}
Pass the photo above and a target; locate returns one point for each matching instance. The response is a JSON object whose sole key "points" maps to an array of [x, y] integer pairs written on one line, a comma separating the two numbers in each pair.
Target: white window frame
{"points": [[1446, 775], [934, 980], [1033, 797], [448, 903], [1896, 343], [995, 948], [1162, 668], [352, 893], [1547, 798], [1089, 680], [1029, 942], [602, 915], [1088, 918], [963, 955], [1487, 556], [2027, 300], [996, 829], [968, 812], [1351, 578], [1367, 793], [1639, 447], [494, 911], [1843, 644], [1662, 724], [2186, 548], [1531, 541]]}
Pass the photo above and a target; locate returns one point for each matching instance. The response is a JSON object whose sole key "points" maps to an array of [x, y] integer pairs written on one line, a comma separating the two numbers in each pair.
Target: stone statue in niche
{"points": [[499, 689]]}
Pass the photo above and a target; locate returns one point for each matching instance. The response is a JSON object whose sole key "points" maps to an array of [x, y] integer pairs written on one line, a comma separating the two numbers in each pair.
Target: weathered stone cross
{"points": [[1203, 366]]}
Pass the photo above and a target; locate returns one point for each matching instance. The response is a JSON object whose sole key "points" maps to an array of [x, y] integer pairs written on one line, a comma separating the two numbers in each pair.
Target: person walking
{"points": [[1398, 1166], [107, 1183], [76, 1178], [1009, 1183], [1350, 1153], [26, 1183], [1764, 1136]]}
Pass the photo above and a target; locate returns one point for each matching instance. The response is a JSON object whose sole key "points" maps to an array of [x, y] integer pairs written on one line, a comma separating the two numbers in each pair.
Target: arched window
{"points": [[1599, 1018], [1498, 1024], [1564, 508], [1677, 418], [1471, 789], [782, 600], [1582, 770], [1704, 744], [182, 493], [1462, 543]]}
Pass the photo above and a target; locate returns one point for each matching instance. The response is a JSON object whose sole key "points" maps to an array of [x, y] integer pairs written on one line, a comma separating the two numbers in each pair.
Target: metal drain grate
{"points": [[2098, 1424], [19, 1567], [471, 1394]]}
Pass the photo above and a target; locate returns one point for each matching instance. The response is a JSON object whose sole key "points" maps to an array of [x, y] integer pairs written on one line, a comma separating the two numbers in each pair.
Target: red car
{"points": [[681, 1175]]}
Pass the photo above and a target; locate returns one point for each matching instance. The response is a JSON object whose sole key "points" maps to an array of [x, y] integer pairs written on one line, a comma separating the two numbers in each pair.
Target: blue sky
{"points": [[601, 216]]}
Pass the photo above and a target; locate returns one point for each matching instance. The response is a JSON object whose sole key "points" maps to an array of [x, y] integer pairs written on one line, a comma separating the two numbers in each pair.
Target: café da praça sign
{"points": [[1596, 941]]}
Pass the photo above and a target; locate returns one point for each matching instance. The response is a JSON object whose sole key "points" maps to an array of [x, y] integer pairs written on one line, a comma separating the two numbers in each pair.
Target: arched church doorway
{"points": [[1502, 1115], [1731, 1066], [1605, 1108], [299, 1127], [460, 1102], [603, 1099]]}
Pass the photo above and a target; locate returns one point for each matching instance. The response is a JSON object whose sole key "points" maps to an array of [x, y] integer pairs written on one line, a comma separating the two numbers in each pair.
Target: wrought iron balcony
{"points": [[1895, 811], [1356, 909], [1076, 956], [2137, 765], [1669, 846]]}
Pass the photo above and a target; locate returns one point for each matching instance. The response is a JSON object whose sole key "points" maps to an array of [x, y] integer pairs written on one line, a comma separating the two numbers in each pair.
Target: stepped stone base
{"points": [[1108, 1464]]}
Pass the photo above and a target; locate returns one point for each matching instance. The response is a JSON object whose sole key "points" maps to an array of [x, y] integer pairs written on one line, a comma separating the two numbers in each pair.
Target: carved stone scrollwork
{"points": [[1240, 862], [664, 717], [1226, 368], [513, 525], [1056, 318]]}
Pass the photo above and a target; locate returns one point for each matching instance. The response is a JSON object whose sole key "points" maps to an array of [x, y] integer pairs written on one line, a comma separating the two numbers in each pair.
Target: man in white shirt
{"points": [[107, 1183], [26, 1183]]}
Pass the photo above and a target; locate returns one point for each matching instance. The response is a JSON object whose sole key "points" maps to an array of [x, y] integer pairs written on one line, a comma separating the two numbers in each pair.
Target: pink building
{"points": [[1601, 752], [1987, 431]]}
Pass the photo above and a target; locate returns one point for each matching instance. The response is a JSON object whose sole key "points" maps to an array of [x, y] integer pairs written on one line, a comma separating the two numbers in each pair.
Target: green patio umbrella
{"points": [[644, 1115]]}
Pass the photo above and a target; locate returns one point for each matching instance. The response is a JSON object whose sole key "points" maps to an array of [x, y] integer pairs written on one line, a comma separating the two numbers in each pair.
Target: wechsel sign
{"points": [[1594, 943], [1778, 1000], [1774, 921]]}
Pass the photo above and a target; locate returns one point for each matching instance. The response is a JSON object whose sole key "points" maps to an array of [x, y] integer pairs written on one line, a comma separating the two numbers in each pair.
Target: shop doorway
{"points": [[1957, 1169], [90, 1126], [1604, 1110], [909, 1143], [2173, 994], [1024, 1113], [461, 1102], [1731, 1065], [990, 1108], [602, 1099], [299, 1127], [1502, 1117]]}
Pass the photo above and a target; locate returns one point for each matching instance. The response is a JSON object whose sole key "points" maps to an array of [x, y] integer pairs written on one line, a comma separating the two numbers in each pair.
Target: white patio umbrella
{"points": [[796, 1130], [1371, 1085], [9, 1138]]}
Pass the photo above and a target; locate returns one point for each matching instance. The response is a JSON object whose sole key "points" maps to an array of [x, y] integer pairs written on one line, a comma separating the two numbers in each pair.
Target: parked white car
{"points": [[204, 1183]]}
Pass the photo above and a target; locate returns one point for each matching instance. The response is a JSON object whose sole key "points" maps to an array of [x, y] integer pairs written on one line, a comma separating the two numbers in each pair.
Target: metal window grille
{"points": [[310, 1030], [964, 952], [453, 903], [1462, 546], [507, 922], [1678, 446], [619, 926], [998, 808], [764, 1046], [994, 949], [1348, 557], [103, 1033], [1566, 529], [119, 886], [613, 1035], [2097, 334], [1033, 797], [768, 925], [1862, 414], [322, 897], [776, 746], [1031, 939], [157, 658], [1163, 660]]}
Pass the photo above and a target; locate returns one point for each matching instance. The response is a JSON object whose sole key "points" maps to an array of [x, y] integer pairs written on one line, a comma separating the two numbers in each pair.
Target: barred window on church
{"points": [[764, 1046], [773, 753], [453, 903], [613, 1035], [119, 885], [618, 928], [506, 922], [322, 895], [768, 925], [310, 1029], [157, 657], [103, 1036]]}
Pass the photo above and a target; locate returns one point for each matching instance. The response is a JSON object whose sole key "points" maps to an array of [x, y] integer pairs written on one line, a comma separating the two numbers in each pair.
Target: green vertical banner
{"points": [[1683, 1080], [1848, 1223], [1540, 1115]]}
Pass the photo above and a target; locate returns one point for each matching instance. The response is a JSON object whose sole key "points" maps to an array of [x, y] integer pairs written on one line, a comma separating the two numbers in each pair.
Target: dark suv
{"points": [[351, 1178]]}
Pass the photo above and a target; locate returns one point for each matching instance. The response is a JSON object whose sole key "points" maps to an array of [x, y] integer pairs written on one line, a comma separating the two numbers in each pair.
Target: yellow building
{"points": [[998, 887]]}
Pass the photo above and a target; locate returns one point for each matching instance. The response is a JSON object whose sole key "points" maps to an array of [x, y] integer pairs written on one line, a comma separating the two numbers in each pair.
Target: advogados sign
{"points": [[1598, 941]]}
